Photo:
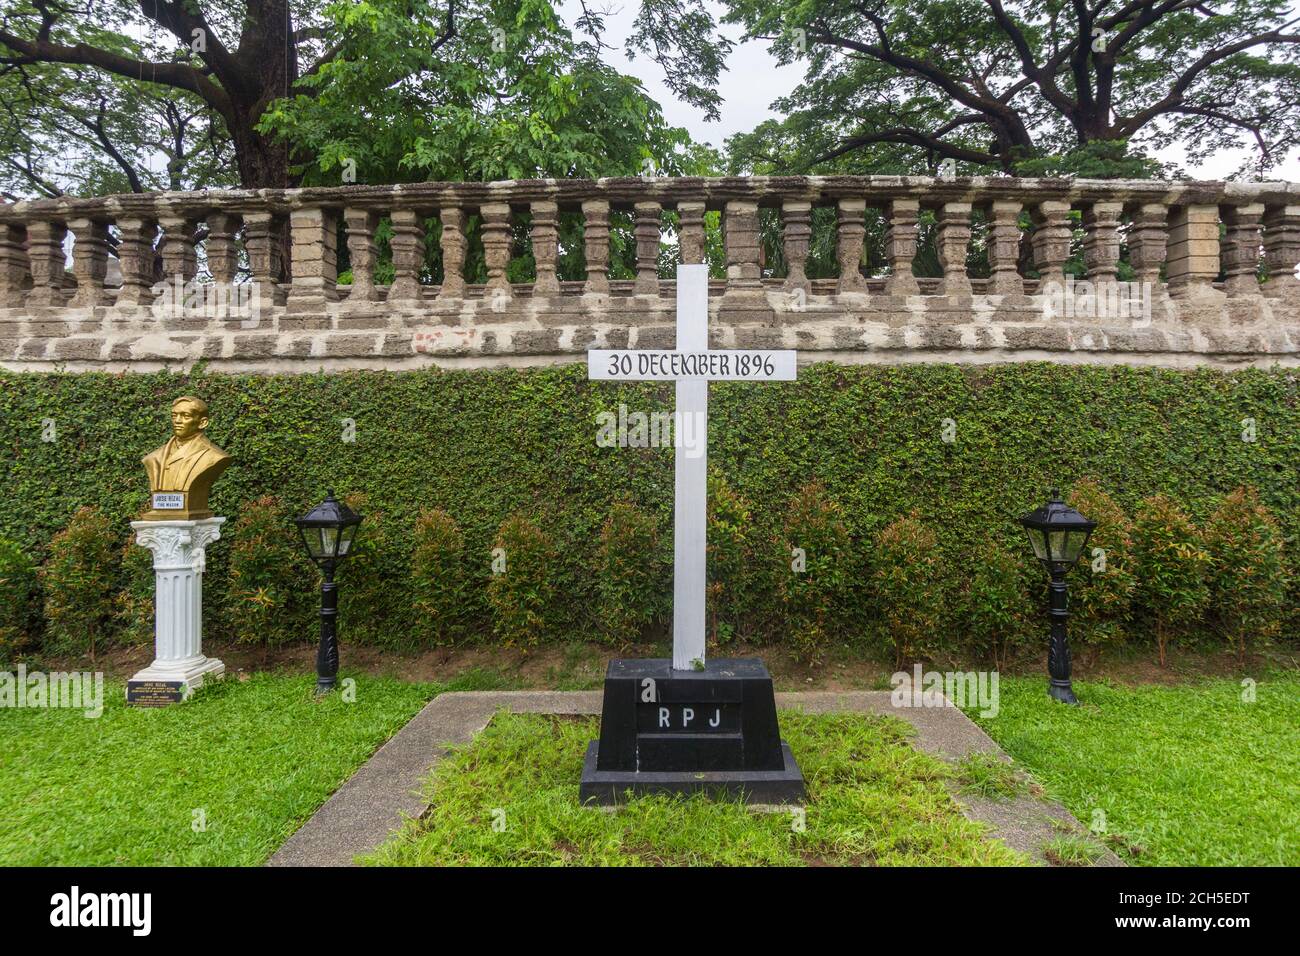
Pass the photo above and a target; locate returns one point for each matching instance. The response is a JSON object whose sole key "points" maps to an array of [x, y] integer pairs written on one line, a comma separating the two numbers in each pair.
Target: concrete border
{"points": [[388, 789]]}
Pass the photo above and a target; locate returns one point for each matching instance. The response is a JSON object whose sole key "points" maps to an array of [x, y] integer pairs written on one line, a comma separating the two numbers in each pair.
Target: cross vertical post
{"points": [[691, 474], [692, 365]]}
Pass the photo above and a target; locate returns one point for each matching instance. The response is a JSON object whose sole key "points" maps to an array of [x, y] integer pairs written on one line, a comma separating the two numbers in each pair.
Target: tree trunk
{"points": [[269, 66], [262, 163]]}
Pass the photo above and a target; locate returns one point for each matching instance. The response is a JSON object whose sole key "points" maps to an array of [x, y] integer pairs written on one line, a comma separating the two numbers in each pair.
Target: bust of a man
{"points": [[186, 466]]}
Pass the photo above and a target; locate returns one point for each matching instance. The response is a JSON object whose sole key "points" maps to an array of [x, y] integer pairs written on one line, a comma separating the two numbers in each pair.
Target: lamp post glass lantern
{"points": [[327, 532], [1058, 534]]}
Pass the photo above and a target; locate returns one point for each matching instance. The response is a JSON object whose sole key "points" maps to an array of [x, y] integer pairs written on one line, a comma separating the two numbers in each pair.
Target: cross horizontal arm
{"points": [[724, 365]]}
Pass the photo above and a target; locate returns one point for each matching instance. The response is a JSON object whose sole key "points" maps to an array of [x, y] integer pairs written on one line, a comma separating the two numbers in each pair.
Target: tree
{"points": [[236, 59], [66, 130], [509, 94], [1027, 86], [353, 91]]}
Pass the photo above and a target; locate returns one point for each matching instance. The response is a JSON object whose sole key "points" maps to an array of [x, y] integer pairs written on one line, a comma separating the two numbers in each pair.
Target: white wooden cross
{"points": [[692, 365]]}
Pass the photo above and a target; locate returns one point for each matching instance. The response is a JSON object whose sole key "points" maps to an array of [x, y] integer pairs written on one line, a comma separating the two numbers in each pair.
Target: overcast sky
{"points": [[753, 81]]}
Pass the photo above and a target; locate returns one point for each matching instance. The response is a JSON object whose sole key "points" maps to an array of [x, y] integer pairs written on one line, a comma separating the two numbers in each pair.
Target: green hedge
{"points": [[485, 445]]}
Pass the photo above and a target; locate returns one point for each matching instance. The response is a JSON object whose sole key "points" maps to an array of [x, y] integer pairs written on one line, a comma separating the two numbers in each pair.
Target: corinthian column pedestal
{"points": [[179, 556]]}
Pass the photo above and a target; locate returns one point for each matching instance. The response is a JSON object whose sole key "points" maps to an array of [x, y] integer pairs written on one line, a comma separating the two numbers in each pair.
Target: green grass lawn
{"points": [[511, 798], [252, 760], [1189, 774], [1186, 775]]}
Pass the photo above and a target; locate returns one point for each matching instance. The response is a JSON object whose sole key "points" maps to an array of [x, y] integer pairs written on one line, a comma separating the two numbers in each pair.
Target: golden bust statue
{"points": [[182, 471]]}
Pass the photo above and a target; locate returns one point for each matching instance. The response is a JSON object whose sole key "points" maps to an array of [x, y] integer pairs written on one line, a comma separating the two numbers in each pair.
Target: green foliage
{"points": [[905, 570], [1099, 159], [633, 582], [522, 595], [1022, 88], [739, 566], [483, 444], [1101, 591], [1248, 576], [512, 94], [996, 607], [19, 593], [77, 579], [1172, 566], [78, 130], [371, 609], [812, 588], [270, 591], [440, 590], [135, 612]]}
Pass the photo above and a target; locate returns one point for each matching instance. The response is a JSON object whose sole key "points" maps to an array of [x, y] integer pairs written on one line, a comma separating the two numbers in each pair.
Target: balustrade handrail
{"points": [[286, 240], [713, 191]]}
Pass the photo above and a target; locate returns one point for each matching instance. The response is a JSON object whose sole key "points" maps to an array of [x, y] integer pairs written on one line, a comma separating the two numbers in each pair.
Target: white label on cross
{"points": [[692, 365], [672, 365]]}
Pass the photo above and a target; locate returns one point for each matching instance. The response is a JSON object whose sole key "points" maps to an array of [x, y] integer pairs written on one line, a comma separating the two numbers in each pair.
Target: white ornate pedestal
{"points": [[179, 557]]}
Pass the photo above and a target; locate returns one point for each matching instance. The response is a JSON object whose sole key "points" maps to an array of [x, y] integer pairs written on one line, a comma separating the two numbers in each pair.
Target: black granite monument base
{"points": [[712, 730]]}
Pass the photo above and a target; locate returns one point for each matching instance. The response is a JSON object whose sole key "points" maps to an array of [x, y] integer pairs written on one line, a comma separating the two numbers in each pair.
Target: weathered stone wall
{"points": [[108, 313]]}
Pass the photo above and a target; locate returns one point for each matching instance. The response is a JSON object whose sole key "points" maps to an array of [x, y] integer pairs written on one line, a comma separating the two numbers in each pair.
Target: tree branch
{"points": [[178, 75]]}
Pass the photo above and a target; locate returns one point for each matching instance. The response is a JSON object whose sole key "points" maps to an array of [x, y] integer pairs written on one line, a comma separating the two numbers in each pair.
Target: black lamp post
{"points": [[1058, 535], [327, 531]]}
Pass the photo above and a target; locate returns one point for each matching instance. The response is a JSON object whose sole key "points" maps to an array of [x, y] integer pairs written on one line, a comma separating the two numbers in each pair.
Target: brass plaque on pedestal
{"points": [[154, 693]]}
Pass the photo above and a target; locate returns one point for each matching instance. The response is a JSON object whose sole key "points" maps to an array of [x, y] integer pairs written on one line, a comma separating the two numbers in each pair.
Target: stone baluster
{"points": [[362, 254], [313, 259], [1241, 249], [45, 259], [1101, 243], [453, 244], [796, 221], [223, 257], [1004, 248], [408, 257], [135, 258], [953, 239], [262, 231], [595, 239], [742, 248], [1051, 243], [1282, 252], [850, 233], [1193, 262], [900, 246], [1148, 239], [496, 249], [741, 243], [89, 262], [13, 265], [179, 261], [546, 247], [690, 232], [647, 231]]}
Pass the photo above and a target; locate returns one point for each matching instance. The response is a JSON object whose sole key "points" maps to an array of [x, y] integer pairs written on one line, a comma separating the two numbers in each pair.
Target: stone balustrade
{"points": [[230, 295]]}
